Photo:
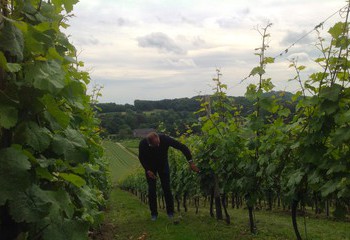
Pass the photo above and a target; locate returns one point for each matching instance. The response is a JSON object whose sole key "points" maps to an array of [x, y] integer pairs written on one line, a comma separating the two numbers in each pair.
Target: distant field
{"points": [[154, 111], [132, 145], [122, 161], [145, 112]]}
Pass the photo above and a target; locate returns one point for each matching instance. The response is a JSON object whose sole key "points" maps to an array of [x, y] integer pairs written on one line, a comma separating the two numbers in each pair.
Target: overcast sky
{"points": [[157, 49]]}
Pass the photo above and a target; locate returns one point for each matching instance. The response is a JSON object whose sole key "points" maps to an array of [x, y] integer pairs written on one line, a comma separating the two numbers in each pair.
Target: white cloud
{"points": [[182, 62], [161, 42], [155, 49], [235, 20]]}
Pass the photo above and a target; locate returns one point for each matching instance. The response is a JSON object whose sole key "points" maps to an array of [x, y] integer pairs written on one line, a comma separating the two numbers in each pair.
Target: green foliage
{"points": [[14, 170], [180, 104], [52, 176], [9, 115]]}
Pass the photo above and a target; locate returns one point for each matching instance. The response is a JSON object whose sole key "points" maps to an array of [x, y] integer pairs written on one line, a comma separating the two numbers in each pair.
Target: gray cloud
{"points": [[228, 22], [233, 21], [292, 37], [161, 42], [117, 21], [188, 21], [301, 57], [198, 41], [180, 63], [194, 21], [225, 58], [88, 41], [123, 22]]}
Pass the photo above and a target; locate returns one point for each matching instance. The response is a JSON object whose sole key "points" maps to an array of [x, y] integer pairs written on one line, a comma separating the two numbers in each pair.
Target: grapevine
{"points": [[53, 182]]}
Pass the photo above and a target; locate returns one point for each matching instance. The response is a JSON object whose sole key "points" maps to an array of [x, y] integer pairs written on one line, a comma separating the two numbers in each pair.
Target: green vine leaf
{"points": [[67, 229], [341, 136], [52, 107], [337, 30], [48, 76], [73, 178], [68, 4], [13, 67], [257, 70], [14, 175], [8, 115], [3, 61], [30, 206], [331, 93], [11, 40], [30, 133]]}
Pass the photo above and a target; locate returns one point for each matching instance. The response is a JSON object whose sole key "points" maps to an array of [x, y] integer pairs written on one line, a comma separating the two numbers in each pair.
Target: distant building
{"points": [[142, 132]]}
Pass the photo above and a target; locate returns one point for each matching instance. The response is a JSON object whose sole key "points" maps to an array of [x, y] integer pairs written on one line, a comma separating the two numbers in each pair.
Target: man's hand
{"points": [[150, 174], [194, 168]]}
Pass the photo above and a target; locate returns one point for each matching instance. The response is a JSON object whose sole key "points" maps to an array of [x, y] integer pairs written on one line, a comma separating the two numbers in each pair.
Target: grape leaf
{"points": [[52, 107], [31, 134], [11, 40], [73, 178], [48, 76], [67, 229], [14, 175], [30, 206], [8, 115]]}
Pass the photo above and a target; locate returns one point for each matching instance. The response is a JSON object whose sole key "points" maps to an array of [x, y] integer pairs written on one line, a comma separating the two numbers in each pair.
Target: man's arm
{"points": [[184, 149], [144, 160], [180, 146], [143, 156]]}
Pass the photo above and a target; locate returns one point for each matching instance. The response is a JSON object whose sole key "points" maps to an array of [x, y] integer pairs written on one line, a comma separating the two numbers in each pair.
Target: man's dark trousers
{"points": [[164, 176]]}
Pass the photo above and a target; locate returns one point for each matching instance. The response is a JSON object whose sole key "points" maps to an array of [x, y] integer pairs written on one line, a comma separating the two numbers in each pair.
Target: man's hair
{"points": [[150, 136]]}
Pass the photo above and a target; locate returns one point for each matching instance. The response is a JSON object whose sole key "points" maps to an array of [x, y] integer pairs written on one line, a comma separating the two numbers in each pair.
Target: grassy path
{"points": [[128, 218], [131, 220]]}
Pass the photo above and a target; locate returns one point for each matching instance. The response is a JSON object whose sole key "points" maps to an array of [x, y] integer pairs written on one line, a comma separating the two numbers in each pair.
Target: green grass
{"points": [[122, 162], [131, 220], [132, 145]]}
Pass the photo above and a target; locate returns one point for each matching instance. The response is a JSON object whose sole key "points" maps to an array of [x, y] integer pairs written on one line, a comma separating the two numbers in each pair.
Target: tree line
{"points": [[174, 116]]}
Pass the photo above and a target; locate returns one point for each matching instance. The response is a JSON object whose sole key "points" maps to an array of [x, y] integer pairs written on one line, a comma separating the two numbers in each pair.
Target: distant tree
{"points": [[175, 115]]}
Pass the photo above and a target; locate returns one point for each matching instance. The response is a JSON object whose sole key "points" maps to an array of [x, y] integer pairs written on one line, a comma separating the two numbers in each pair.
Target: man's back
{"points": [[155, 157]]}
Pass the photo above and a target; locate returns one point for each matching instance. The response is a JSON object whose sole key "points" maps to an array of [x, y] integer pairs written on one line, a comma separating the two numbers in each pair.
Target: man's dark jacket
{"points": [[156, 158]]}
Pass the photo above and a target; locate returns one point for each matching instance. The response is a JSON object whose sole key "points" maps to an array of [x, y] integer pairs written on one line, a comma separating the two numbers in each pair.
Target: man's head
{"points": [[153, 139]]}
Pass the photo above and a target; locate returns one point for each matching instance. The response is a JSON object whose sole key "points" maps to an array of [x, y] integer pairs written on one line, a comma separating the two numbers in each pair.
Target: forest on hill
{"points": [[173, 116]]}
